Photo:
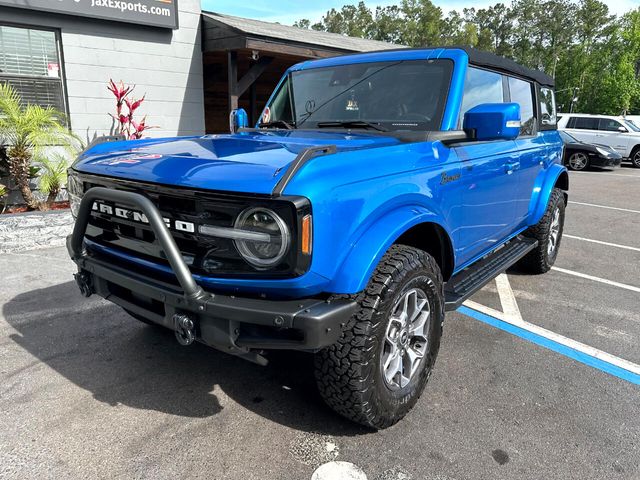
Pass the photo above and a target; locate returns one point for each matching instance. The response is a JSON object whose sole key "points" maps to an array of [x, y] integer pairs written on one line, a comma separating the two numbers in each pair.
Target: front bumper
{"points": [[600, 161], [234, 324]]}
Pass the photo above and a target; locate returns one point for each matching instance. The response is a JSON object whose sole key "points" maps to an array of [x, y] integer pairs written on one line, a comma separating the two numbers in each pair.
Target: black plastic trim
{"points": [[302, 158]]}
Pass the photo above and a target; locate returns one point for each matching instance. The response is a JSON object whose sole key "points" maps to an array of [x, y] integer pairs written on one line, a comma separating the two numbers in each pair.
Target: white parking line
{"points": [[597, 279], [604, 206], [600, 242], [606, 173]]}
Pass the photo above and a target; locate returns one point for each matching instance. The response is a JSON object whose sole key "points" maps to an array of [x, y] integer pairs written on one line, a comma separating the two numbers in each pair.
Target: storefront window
{"points": [[30, 62]]}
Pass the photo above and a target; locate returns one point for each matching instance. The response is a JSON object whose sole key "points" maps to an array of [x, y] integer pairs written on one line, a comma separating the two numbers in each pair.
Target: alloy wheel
{"points": [[405, 343], [554, 232], [578, 161]]}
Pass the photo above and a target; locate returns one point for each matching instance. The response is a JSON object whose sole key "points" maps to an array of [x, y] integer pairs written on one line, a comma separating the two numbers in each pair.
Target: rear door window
{"points": [[548, 117], [583, 123], [522, 94]]}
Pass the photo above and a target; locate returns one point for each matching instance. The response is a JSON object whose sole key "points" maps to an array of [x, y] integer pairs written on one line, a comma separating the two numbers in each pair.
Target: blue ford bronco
{"points": [[377, 191]]}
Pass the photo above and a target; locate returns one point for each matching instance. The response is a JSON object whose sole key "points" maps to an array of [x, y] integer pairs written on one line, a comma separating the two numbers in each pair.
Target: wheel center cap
{"points": [[404, 337]]}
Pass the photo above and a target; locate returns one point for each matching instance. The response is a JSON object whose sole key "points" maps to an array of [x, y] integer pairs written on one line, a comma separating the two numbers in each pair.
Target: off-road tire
{"points": [[635, 157], [539, 260], [349, 373]]}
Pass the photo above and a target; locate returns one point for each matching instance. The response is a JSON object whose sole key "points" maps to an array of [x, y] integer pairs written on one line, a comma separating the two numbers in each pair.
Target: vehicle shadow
{"points": [[99, 348]]}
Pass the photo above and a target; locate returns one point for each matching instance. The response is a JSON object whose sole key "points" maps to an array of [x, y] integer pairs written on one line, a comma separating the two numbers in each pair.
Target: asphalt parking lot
{"points": [[87, 392]]}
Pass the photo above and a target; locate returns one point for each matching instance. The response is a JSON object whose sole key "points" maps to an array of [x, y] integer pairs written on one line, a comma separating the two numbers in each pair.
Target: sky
{"points": [[288, 11]]}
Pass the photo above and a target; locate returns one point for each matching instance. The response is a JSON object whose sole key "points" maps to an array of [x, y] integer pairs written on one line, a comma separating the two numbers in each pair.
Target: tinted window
{"points": [[480, 86], [583, 123], [522, 93], [547, 108], [610, 125]]}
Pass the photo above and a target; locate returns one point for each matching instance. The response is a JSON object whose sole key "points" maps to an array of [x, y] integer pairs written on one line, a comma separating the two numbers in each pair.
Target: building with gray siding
{"points": [[191, 66], [165, 64]]}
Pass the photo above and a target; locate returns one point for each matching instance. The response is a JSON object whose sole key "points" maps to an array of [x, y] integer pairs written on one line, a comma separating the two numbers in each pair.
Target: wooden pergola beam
{"points": [[238, 87]]}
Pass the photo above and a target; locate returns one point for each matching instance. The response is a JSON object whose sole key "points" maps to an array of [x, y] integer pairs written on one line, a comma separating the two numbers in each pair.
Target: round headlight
{"points": [[267, 252]]}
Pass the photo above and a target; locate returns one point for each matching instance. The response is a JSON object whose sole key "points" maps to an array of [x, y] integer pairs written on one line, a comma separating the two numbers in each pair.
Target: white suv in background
{"points": [[616, 132]]}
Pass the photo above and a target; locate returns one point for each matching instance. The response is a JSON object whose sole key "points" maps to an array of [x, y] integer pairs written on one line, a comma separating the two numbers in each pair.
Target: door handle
{"points": [[509, 167]]}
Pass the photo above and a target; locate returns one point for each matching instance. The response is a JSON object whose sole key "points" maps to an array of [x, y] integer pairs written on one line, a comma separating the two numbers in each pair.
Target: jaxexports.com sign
{"points": [[158, 13]]}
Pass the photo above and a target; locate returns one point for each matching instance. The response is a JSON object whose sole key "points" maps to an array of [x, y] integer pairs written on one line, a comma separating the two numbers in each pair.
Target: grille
{"points": [[204, 254]]}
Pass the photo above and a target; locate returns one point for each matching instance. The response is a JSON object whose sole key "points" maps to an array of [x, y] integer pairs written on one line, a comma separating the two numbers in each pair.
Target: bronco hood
{"points": [[249, 162]]}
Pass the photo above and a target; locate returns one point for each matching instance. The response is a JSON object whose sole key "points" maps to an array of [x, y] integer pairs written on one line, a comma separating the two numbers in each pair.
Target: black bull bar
{"points": [[234, 324]]}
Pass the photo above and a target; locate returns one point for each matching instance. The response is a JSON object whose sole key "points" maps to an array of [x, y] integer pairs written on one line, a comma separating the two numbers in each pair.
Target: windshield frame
{"points": [[287, 81]]}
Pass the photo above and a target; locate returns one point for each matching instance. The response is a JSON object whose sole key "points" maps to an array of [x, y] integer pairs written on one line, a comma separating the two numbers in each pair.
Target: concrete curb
{"points": [[33, 230]]}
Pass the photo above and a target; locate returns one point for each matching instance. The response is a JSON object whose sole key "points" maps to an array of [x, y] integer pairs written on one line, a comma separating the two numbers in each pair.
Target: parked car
{"points": [[361, 208], [615, 132], [580, 155]]}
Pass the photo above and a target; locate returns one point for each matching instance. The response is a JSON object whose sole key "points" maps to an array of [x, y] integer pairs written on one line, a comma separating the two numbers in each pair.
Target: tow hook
{"points": [[83, 279], [184, 329]]}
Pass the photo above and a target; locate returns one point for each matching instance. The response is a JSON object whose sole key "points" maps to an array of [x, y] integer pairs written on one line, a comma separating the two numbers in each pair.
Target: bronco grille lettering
{"points": [[139, 217]]}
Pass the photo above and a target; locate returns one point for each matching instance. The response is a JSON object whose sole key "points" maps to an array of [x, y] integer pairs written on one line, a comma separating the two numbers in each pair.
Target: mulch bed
{"points": [[23, 208]]}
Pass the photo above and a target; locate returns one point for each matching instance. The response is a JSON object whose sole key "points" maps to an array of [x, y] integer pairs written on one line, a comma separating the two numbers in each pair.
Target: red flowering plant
{"points": [[127, 126]]}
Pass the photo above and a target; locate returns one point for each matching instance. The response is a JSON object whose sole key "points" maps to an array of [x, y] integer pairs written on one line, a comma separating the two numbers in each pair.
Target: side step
{"points": [[467, 282]]}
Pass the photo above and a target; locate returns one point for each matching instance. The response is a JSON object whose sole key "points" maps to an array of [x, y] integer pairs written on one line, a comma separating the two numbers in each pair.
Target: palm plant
{"points": [[53, 175], [28, 130]]}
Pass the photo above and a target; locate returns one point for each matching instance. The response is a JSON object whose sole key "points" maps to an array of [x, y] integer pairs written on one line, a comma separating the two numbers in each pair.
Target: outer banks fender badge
{"points": [[444, 178]]}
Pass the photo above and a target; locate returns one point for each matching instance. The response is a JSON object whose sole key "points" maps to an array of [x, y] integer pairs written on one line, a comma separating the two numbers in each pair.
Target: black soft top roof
{"points": [[496, 62], [492, 61]]}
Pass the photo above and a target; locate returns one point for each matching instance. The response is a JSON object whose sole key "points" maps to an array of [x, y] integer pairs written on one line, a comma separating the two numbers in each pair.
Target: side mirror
{"points": [[493, 121], [623, 130], [238, 119]]}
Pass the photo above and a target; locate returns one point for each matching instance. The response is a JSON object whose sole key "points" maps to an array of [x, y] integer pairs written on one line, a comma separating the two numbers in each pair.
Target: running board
{"points": [[467, 282]]}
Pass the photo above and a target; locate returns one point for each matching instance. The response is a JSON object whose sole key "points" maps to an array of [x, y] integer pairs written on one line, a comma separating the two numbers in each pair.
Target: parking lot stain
{"points": [[395, 473], [500, 456], [314, 449]]}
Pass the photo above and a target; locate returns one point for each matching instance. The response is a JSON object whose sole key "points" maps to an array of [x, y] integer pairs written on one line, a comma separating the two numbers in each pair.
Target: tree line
{"points": [[593, 55]]}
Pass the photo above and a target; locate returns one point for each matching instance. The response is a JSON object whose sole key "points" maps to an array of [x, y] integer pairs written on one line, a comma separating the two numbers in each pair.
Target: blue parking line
{"points": [[552, 345]]}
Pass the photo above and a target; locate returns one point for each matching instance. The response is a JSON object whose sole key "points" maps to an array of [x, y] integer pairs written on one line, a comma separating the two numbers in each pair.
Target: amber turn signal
{"points": [[306, 235]]}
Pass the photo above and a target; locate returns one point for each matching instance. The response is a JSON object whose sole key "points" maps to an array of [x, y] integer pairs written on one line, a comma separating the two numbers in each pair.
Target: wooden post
{"points": [[232, 76], [252, 104]]}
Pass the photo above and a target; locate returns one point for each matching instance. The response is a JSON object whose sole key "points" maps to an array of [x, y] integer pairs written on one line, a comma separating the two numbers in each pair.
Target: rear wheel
{"points": [[635, 157], [378, 369], [548, 232], [578, 161]]}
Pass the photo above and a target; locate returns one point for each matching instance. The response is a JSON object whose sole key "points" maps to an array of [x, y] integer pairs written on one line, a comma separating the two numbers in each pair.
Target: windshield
{"points": [[400, 95], [567, 138], [632, 126]]}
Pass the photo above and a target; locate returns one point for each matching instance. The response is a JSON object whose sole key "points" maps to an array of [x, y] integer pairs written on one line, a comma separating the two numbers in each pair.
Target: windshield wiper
{"points": [[276, 123], [353, 124]]}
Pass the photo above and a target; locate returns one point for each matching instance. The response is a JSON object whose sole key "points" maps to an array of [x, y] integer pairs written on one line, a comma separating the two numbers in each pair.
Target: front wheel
{"points": [[548, 232], [379, 367], [578, 161]]}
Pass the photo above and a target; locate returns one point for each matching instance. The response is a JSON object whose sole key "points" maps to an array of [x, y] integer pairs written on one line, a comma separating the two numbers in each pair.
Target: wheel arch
{"points": [[555, 176], [411, 225], [433, 239]]}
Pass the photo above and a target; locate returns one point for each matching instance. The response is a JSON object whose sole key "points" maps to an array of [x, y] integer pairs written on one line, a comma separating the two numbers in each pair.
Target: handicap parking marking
{"points": [[510, 320], [597, 279], [571, 202], [600, 242]]}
